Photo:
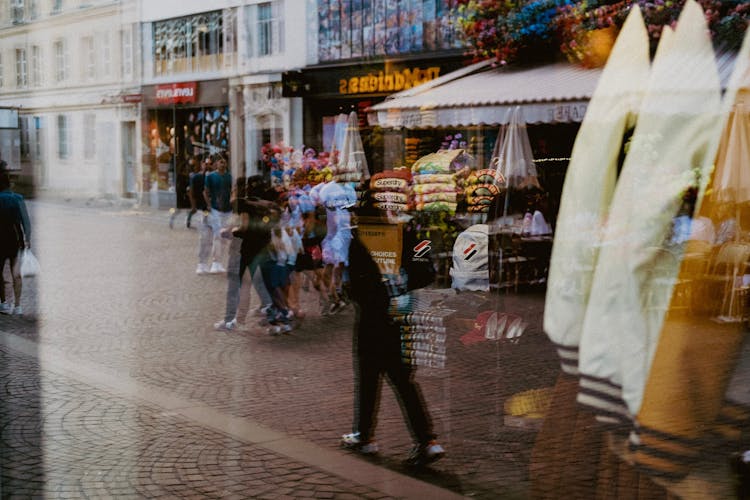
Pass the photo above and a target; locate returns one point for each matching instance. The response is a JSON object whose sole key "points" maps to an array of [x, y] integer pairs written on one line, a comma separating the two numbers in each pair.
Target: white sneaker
{"points": [[201, 269], [226, 325], [353, 442], [5, 308], [217, 268], [17, 311]]}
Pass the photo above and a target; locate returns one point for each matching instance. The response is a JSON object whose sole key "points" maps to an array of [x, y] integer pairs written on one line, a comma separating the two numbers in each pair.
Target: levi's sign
{"points": [[389, 81], [175, 93]]}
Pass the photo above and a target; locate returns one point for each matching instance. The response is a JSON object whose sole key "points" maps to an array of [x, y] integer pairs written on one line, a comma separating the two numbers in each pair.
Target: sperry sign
{"points": [[388, 81], [175, 93]]}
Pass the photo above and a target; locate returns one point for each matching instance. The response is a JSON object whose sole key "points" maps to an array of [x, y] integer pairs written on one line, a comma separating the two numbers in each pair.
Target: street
{"points": [[116, 384]]}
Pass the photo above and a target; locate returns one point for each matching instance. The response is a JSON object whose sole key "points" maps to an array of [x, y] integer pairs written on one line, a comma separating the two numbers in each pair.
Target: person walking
{"points": [[197, 202], [257, 217], [377, 352], [15, 235], [197, 186], [217, 194]]}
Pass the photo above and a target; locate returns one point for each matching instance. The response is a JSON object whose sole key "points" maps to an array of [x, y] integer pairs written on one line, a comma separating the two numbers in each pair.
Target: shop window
{"points": [[36, 65], [89, 136], [269, 29], [63, 133], [56, 6], [21, 69], [61, 61], [193, 43]]}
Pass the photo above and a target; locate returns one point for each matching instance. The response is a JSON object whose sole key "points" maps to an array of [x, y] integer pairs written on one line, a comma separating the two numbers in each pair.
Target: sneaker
{"points": [[262, 311], [17, 311], [201, 269], [5, 308], [226, 325], [427, 453], [353, 442], [334, 307], [217, 268]]}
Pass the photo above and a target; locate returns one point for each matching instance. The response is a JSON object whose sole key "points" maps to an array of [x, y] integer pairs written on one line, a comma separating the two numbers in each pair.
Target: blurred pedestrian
{"points": [[217, 194], [257, 217], [15, 235], [195, 194], [377, 352], [205, 235]]}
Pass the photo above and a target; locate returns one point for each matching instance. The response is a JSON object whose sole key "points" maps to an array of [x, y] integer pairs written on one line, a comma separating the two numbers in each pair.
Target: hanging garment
{"points": [[688, 399], [589, 185], [671, 148]]}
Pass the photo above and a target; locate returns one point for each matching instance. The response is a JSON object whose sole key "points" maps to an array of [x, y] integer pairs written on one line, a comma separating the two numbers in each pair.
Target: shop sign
{"points": [[132, 98], [175, 93], [384, 243], [566, 113], [387, 81]]}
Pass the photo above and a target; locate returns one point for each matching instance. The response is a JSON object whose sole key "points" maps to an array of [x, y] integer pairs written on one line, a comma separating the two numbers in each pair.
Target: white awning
{"points": [[548, 94]]}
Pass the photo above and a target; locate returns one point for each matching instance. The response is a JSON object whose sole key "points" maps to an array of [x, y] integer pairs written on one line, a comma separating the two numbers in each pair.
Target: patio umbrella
{"points": [[731, 182], [352, 164], [513, 156]]}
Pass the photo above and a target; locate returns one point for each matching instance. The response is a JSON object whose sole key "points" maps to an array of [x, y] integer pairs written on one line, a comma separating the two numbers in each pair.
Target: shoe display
{"points": [[5, 308], [217, 268], [426, 453], [201, 269], [353, 442]]}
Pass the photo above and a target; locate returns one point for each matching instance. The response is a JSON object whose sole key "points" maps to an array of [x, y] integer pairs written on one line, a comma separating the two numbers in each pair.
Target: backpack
{"points": [[470, 270]]}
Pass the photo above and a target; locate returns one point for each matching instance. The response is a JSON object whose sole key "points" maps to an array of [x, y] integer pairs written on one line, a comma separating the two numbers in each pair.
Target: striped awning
{"points": [[547, 94]]}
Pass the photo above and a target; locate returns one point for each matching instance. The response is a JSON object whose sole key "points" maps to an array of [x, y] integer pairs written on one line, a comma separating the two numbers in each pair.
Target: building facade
{"points": [[71, 69], [212, 86]]}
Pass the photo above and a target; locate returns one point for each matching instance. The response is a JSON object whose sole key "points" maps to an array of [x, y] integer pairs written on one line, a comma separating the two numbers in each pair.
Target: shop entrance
{"points": [[175, 135]]}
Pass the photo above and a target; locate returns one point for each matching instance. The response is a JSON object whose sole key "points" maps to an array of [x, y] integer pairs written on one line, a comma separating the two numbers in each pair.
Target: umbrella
{"points": [[352, 155], [731, 183], [512, 155]]}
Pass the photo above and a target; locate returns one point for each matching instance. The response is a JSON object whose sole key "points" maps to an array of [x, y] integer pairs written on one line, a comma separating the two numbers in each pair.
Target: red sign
{"points": [[132, 98], [176, 93]]}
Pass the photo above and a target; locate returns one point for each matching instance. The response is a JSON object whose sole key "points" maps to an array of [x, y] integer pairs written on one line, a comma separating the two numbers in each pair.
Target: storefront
{"points": [[329, 90], [468, 111], [181, 121]]}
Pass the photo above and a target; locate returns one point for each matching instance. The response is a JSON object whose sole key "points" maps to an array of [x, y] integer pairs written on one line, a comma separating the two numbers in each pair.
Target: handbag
{"points": [[29, 264]]}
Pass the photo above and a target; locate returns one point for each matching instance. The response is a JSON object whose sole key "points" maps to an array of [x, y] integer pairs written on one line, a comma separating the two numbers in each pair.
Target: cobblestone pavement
{"points": [[118, 294]]}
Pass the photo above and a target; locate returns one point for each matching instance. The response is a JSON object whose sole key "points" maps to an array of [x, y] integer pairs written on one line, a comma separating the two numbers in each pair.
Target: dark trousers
{"points": [[369, 369]]}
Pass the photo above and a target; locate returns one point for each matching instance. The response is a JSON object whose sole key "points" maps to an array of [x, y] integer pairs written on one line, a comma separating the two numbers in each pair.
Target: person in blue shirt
{"points": [[15, 235], [218, 193]]}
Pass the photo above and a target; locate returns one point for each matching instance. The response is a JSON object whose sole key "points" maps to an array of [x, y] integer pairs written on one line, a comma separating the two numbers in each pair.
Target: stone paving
{"points": [[118, 291]]}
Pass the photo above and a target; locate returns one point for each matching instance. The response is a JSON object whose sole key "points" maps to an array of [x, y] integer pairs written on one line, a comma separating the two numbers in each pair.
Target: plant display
{"points": [[522, 30]]}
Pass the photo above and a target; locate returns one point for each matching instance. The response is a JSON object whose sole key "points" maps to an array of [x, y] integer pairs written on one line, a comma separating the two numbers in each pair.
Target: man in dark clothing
{"points": [[195, 189], [15, 234], [377, 350]]}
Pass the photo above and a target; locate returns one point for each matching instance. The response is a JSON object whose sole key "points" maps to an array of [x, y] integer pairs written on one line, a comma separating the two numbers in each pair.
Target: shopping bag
{"points": [[29, 264]]}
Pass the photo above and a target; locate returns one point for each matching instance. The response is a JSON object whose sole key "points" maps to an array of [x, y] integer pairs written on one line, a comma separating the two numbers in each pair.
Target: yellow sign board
{"points": [[384, 241], [387, 81]]}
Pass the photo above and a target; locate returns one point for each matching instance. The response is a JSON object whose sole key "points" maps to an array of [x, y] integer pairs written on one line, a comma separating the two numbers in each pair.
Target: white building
{"points": [[212, 84], [71, 67]]}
